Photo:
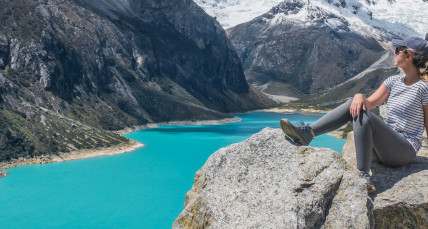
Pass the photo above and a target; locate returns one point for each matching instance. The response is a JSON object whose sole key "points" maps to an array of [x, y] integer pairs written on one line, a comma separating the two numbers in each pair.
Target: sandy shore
{"points": [[75, 155]]}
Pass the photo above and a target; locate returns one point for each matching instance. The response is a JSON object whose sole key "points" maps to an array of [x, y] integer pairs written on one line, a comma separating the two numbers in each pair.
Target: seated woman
{"points": [[396, 141]]}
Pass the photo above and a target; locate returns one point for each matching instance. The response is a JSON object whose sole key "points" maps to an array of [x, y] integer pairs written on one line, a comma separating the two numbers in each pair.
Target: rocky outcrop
{"points": [[401, 198], [267, 182], [2, 173]]}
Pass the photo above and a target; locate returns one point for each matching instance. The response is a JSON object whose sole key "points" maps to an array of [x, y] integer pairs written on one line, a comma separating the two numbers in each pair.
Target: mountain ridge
{"points": [[110, 69], [402, 18], [306, 52]]}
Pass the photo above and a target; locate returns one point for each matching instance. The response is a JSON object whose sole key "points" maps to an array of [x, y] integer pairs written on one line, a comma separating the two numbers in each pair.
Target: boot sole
{"points": [[288, 130]]}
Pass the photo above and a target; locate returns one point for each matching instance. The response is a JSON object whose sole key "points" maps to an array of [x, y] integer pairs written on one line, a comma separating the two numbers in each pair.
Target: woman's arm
{"points": [[377, 98], [426, 117]]}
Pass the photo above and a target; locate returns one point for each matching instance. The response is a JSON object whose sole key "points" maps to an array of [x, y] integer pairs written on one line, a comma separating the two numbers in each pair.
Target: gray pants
{"points": [[372, 136]]}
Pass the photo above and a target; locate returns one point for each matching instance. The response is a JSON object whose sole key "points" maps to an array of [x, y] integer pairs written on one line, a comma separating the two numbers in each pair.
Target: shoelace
{"points": [[365, 175], [302, 125]]}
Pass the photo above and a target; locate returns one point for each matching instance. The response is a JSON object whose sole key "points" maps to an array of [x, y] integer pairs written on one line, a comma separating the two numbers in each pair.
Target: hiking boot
{"points": [[302, 134], [370, 187]]}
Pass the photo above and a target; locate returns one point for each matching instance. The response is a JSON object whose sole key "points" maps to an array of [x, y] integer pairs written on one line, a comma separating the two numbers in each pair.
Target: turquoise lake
{"points": [[142, 189]]}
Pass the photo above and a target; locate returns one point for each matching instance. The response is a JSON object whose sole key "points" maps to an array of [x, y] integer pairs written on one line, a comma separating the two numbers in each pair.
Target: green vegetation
{"points": [[13, 140], [18, 78], [18, 18], [45, 133]]}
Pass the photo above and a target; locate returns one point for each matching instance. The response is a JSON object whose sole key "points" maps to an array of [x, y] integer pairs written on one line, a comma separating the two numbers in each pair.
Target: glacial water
{"points": [[142, 189]]}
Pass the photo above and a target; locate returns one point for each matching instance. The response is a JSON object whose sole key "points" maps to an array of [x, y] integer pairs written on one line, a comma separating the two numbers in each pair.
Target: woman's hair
{"points": [[420, 62]]}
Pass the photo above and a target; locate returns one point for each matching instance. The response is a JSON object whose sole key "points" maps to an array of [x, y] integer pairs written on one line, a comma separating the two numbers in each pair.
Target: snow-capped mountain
{"points": [[314, 45], [233, 12], [303, 45], [398, 18]]}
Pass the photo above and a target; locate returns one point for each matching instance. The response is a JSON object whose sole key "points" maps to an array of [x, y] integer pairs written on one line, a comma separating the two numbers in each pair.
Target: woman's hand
{"points": [[357, 103]]}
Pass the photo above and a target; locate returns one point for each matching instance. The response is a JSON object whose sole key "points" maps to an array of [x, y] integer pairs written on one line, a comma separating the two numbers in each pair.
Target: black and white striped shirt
{"points": [[405, 108]]}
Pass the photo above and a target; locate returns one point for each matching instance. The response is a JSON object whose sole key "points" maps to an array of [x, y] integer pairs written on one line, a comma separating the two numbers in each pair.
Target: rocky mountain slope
{"points": [[308, 47], [268, 182], [230, 13], [72, 69], [295, 43]]}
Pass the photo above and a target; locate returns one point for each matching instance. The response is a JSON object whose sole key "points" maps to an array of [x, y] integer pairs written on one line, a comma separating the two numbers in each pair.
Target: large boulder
{"points": [[401, 198], [268, 182]]}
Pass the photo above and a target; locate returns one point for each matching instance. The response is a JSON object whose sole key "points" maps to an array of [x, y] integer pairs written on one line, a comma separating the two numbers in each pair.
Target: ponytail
{"points": [[419, 56], [424, 73], [421, 63]]}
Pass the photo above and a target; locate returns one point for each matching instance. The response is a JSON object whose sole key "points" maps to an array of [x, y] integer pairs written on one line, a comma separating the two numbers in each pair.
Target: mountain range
{"points": [[304, 49], [399, 18], [74, 70]]}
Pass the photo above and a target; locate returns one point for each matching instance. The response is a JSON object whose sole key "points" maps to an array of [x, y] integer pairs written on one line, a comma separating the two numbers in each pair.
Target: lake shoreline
{"points": [[132, 145], [179, 123], [126, 147], [303, 111]]}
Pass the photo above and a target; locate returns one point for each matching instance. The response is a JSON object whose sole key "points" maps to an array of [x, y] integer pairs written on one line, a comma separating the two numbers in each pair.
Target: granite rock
{"points": [[2, 173], [268, 182], [401, 198]]}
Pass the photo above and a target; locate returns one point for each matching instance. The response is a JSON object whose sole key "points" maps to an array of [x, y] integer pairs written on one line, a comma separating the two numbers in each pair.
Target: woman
{"points": [[396, 141]]}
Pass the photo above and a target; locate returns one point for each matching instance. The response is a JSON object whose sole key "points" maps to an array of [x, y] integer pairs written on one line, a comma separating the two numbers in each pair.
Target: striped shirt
{"points": [[405, 108]]}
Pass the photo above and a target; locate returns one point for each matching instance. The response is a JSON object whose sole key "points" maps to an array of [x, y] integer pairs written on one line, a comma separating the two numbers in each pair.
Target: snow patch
{"points": [[334, 23], [233, 12], [369, 18]]}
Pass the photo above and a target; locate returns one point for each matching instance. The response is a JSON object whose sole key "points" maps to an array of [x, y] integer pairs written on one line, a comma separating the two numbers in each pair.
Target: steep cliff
{"points": [[72, 66]]}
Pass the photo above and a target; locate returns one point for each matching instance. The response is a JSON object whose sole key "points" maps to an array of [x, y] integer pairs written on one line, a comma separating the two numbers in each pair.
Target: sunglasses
{"points": [[400, 49]]}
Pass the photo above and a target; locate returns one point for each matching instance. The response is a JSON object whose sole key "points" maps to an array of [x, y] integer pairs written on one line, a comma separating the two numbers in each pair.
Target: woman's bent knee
{"points": [[363, 118]]}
